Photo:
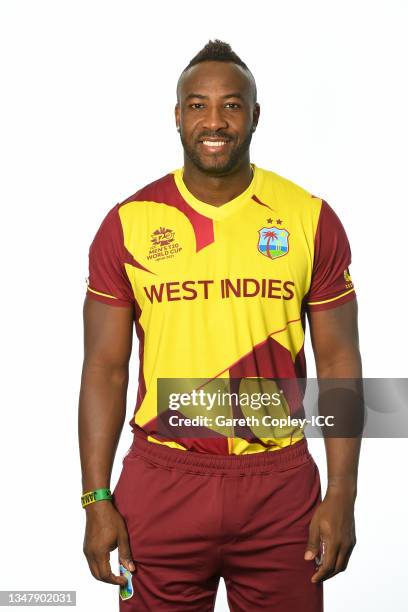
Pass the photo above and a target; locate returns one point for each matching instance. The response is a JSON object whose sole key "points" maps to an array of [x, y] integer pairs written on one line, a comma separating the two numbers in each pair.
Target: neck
{"points": [[217, 190]]}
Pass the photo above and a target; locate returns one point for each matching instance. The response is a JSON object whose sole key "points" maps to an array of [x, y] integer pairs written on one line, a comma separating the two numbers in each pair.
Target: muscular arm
{"points": [[102, 400], [102, 410], [334, 334]]}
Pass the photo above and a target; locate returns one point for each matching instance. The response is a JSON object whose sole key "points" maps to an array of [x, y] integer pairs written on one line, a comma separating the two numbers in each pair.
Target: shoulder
{"points": [[287, 191], [158, 190], [154, 191], [283, 185]]}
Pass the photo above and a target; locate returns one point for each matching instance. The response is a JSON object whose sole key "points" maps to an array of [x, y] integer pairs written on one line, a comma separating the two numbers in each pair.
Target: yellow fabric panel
{"points": [[169, 443], [100, 293], [242, 447], [204, 337]]}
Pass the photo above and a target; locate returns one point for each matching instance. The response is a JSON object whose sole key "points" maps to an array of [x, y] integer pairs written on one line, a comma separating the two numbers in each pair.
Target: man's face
{"points": [[216, 114]]}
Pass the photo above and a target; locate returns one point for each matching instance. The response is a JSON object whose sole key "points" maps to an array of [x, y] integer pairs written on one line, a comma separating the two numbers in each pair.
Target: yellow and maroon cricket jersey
{"points": [[219, 291]]}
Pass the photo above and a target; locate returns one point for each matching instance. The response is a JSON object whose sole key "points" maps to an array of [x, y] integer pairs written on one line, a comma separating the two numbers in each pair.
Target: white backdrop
{"points": [[88, 92]]}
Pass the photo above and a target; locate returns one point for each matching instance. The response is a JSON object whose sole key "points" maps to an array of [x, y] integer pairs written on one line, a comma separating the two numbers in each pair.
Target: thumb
{"points": [[125, 556], [313, 543]]}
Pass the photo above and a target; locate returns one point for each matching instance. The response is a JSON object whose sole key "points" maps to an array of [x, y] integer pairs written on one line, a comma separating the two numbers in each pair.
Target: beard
{"points": [[215, 164]]}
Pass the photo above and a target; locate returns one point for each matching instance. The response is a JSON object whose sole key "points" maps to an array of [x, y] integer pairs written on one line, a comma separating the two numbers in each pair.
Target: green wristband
{"points": [[93, 496]]}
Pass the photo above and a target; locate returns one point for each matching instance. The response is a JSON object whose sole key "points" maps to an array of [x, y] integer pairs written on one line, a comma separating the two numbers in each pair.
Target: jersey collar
{"points": [[210, 210]]}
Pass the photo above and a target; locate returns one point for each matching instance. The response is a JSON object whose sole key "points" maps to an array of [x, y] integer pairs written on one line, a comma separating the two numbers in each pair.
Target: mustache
{"points": [[219, 135]]}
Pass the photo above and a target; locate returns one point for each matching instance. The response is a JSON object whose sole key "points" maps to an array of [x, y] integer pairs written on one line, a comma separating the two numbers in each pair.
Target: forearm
{"points": [[102, 410], [342, 465], [345, 401]]}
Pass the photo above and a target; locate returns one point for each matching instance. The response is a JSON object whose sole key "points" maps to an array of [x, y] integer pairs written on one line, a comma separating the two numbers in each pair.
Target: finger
{"points": [[313, 543], [343, 558], [125, 555], [329, 558], [93, 568], [104, 571]]}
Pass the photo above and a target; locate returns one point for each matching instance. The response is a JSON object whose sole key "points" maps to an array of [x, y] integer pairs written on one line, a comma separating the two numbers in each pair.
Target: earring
{"points": [[178, 128]]}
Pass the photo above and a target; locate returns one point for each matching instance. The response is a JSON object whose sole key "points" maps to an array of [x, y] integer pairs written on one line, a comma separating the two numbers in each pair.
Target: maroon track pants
{"points": [[194, 517]]}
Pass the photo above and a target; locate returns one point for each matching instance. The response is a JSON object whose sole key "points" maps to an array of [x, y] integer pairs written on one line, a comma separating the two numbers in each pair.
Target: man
{"points": [[217, 262]]}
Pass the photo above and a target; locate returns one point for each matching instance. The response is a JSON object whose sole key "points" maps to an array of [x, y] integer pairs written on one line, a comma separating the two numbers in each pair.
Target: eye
{"points": [[196, 104], [234, 104]]}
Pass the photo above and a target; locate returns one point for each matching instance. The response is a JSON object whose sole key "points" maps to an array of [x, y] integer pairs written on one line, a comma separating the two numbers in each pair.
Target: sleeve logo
{"points": [[347, 278]]}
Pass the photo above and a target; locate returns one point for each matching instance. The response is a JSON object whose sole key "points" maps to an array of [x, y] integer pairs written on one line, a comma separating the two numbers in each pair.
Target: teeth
{"points": [[218, 143]]}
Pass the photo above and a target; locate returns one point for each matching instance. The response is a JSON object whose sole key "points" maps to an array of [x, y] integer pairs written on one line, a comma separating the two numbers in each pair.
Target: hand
{"points": [[105, 531], [333, 525]]}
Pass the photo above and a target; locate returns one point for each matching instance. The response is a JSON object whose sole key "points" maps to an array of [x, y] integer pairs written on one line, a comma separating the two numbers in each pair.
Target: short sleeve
{"points": [[331, 283], [107, 281]]}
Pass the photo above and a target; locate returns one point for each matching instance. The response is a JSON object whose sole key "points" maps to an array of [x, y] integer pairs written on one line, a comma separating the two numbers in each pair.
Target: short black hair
{"points": [[218, 51]]}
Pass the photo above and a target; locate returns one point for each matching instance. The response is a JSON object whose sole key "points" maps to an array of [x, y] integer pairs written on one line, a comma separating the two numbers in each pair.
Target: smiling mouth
{"points": [[214, 145]]}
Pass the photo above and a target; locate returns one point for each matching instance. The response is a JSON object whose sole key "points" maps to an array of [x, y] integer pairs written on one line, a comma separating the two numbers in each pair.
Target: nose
{"points": [[214, 118]]}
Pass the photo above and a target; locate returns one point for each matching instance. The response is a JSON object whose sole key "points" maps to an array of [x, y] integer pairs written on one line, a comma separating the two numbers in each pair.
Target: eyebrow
{"points": [[236, 94]]}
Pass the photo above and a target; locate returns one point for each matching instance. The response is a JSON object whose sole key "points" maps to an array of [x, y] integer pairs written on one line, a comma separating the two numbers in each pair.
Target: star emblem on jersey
{"points": [[273, 242]]}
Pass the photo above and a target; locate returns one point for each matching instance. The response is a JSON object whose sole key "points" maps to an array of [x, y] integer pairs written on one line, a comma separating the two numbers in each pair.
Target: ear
{"points": [[256, 113]]}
